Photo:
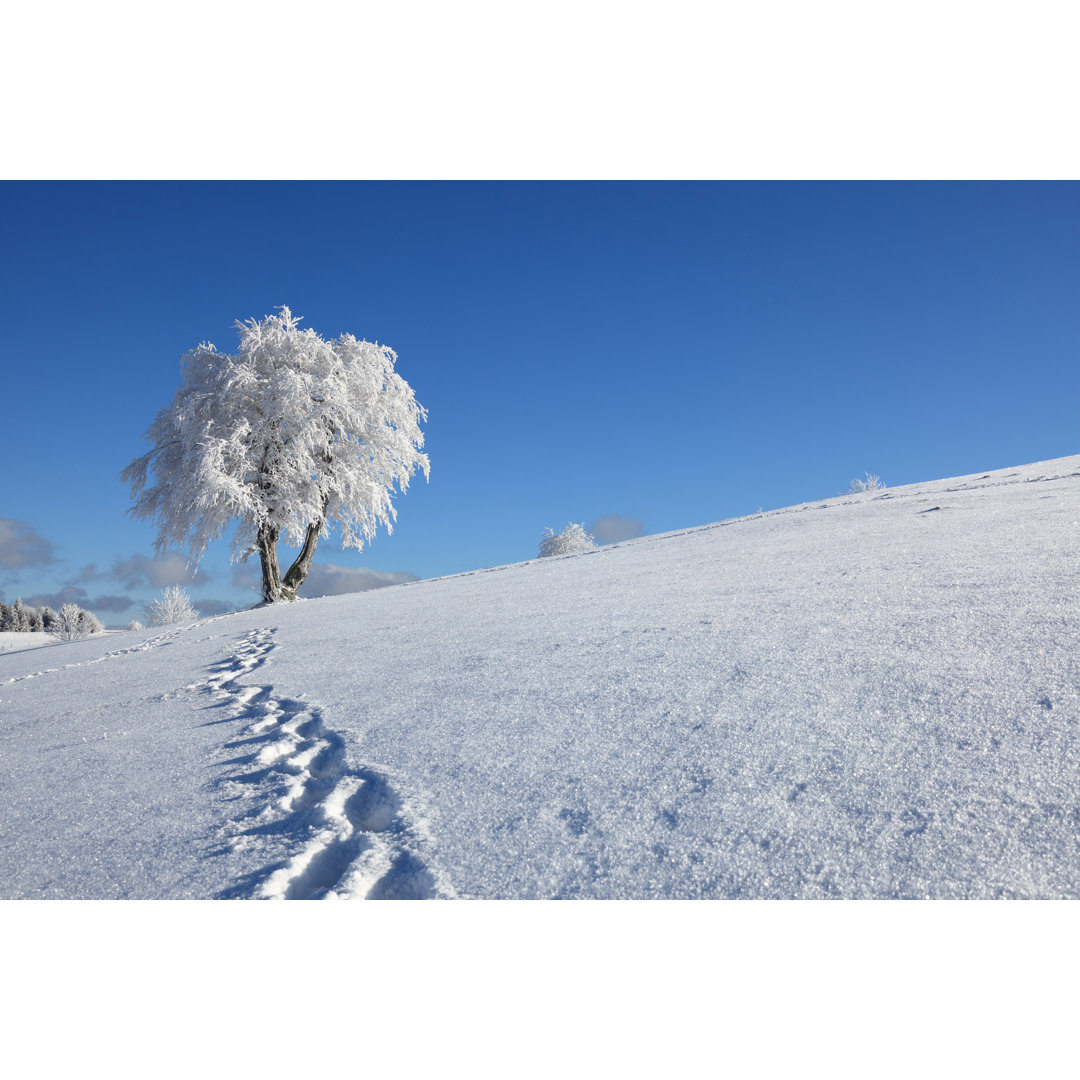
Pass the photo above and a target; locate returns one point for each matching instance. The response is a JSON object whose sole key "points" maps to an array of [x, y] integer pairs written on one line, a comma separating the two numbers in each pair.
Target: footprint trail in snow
{"points": [[345, 832], [155, 642]]}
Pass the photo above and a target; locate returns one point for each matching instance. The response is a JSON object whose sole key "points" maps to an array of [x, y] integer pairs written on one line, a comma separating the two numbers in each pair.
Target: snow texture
{"points": [[875, 695], [18, 640]]}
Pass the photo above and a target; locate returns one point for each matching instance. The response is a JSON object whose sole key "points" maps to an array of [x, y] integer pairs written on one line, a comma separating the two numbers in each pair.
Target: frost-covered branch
{"points": [[571, 540], [173, 606], [871, 483]]}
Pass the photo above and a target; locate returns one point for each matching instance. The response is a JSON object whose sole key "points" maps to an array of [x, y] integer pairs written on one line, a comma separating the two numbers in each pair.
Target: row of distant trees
{"points": [[70, 623], [74, 622]]}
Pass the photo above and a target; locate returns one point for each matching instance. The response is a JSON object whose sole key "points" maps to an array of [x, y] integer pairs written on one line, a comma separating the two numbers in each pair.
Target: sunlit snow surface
{"points": [[873, 695]]}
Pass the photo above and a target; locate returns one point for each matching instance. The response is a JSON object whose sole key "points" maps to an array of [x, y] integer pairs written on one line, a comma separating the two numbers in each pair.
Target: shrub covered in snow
{"points": [[871, 483], [135, 625], [572, 539], [73, 624], [173, 607]]}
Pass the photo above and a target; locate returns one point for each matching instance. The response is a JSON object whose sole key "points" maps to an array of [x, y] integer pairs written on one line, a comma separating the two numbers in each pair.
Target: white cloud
{"points": [[326, 579], [73, 594], [170, 569], [612, 528], [213, 607], [21, 545], [109, 602], [247, 576]]}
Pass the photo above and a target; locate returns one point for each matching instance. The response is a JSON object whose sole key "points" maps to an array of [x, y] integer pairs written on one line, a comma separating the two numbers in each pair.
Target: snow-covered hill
{"points": [[17, 641], [874, 695]]}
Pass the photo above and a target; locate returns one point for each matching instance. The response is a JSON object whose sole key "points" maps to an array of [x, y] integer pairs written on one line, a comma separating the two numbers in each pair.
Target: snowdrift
{"points": [[873, 695]]}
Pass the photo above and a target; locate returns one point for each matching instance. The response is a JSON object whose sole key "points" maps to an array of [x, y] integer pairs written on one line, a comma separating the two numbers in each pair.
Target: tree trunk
{"points": [[296, 573], [275, 587], [266, 541]]}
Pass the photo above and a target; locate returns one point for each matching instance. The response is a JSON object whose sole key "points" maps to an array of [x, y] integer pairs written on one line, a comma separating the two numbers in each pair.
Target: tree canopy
{"points": [[289, 437]]}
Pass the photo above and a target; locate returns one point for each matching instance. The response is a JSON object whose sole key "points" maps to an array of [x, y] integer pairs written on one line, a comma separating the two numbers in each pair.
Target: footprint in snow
{"points": [[355, 838]]}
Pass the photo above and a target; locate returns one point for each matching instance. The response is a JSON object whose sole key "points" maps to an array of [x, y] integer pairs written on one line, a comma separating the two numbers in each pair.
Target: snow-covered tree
{"points": [[68, 626], [48, 617], [174, 606], [288, 437], [572, 539], [73, 623], [135, 625], [20, 619], [5, 616], [871, 483]]}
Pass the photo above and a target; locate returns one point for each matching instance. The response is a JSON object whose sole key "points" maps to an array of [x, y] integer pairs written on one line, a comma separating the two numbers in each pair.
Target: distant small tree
{"points": [[74, 624], [135, 625], [20, 620], [572, 539], [174, 606], [871, 483]]}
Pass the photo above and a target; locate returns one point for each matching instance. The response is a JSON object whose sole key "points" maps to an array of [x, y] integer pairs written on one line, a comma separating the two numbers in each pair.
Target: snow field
{"points": [[18, 641], [870, 696], [355, 838]]}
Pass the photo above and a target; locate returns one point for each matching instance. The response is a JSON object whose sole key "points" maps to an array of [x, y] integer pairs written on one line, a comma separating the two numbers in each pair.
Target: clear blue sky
{"points": [[671, 354]]}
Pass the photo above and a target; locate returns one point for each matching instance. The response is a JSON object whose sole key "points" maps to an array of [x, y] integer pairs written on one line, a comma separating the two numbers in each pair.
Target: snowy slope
{"points": [[874, 695], [18, 640]]}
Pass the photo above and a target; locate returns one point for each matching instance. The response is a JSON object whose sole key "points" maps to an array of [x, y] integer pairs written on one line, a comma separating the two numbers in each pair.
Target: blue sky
{"points": [[659, 355]]}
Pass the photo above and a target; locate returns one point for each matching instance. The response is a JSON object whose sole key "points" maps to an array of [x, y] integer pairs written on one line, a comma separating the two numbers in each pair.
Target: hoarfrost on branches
{"points": [[173, 606], [74, 624], [19, 618], [572, 539], [288, 437], [22, 618], [871, 483]]}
